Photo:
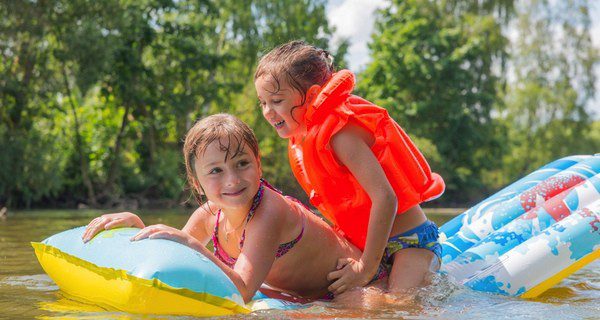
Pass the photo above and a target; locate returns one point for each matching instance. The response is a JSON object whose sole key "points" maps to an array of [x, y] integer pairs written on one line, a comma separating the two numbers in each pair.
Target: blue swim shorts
{"points": [[425, 236]]}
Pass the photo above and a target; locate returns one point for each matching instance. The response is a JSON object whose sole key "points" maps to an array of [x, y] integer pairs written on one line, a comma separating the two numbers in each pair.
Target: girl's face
{"points": [[281, 106], [229, 183]]}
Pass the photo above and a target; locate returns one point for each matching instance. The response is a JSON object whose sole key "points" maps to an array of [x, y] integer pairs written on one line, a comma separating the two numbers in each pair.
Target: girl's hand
{"points": [[350, 274], [161, 231], [111, 221]]}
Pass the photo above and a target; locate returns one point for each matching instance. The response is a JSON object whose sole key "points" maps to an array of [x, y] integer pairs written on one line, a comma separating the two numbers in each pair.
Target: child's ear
{"points": [[259, 166], [312, 93], [198, 188]]}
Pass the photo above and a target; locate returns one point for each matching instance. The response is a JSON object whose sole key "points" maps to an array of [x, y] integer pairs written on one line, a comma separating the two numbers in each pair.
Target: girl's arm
{"points": [[263, 236], [352, 150], [254, 262]]}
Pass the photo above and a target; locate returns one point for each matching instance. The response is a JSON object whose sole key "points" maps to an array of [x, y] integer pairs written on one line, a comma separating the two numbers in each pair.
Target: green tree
{"points": [[97, 95], [432, 68], [82, 32], [27, 93], [552, 60]]}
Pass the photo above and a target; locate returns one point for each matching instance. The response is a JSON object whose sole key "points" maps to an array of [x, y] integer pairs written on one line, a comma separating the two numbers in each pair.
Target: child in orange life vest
{"points": [[358, 166]]}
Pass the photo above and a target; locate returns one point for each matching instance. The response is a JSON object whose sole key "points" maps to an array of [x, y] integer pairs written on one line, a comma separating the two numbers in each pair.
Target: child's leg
{"points": [[415, 255], [412, 268]]}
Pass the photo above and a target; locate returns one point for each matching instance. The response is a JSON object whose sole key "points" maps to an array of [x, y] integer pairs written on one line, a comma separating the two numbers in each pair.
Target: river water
{"points": [[26, 292]]}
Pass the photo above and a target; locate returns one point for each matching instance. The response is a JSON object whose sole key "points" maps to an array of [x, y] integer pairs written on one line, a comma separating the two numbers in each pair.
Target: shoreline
{"points": [[448, 212], [452, 212]]}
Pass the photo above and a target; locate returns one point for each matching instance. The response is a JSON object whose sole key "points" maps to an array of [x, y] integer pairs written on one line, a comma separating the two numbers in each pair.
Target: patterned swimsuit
{"points": [[222, 255]]}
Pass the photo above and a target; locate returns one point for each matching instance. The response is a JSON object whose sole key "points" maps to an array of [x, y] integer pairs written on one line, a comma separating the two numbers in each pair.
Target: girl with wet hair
{"points": [[357, 165]]}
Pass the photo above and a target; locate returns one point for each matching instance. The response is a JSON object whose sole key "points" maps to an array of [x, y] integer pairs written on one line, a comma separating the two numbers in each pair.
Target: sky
{"points": [[344, 15], [353, 19]]}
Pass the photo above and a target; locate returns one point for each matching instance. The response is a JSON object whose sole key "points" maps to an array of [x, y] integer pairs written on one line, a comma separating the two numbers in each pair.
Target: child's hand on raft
{"points": [[161, 231], [111, 221], [350, 273]]}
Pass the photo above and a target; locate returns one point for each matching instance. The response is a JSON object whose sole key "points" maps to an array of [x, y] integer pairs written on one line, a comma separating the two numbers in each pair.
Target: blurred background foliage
{"points": [[96, 96]]}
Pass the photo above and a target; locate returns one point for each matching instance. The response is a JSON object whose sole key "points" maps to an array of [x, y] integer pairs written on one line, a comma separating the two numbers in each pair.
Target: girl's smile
{"points": [[282, 106], [227, 179], [234, 194], [279, 125]]}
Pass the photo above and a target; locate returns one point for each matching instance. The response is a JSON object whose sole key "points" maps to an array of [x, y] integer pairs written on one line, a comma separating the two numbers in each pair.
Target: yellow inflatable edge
{"points": [[550, 282], [114, 289]]}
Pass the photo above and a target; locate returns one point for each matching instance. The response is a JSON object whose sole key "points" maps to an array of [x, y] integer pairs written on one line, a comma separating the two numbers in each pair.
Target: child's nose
{"points": [[232, 179], [266, 110]]}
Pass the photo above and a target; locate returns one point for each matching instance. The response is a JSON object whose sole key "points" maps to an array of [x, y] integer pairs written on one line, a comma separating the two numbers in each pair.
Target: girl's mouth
{"points": [[233, 194], [279, 124]]}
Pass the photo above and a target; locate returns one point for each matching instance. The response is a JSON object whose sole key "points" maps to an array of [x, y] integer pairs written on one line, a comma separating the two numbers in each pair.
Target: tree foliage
{"points": [[96, 96], [484, 105], [432, 69], [546, 107]]}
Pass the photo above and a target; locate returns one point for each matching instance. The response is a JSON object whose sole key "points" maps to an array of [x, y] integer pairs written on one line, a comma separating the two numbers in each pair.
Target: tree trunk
{"points": [[114, 168], [83, 163]]}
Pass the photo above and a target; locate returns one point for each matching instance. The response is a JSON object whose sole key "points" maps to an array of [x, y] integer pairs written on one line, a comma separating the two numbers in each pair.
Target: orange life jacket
{"points": [[330, 186]]}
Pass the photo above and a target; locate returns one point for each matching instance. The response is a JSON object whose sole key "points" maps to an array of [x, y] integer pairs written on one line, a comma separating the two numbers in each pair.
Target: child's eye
{"points": [[243, 163], [215, 171], [277, 101]]}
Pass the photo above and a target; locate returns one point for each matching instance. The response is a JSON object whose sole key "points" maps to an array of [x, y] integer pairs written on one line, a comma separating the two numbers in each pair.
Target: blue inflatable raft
{"points": [[530, 235]]}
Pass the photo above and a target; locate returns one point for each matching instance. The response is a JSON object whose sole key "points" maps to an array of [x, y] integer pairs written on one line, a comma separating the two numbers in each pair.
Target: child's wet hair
{"points": [[231, 133], [297, 63]]}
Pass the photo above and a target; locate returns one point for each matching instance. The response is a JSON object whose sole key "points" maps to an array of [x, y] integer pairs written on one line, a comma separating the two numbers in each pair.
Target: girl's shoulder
{"points": [[274, 206], [349, 134], [204, 216], [206, 210]]}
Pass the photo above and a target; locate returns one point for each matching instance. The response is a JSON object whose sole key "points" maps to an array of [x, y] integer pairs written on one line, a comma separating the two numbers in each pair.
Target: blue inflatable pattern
{"points": [[530, 235]]}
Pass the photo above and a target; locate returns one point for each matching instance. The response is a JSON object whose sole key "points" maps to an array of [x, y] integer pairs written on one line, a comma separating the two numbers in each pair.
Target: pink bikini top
{"points": [[222, 255]]}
